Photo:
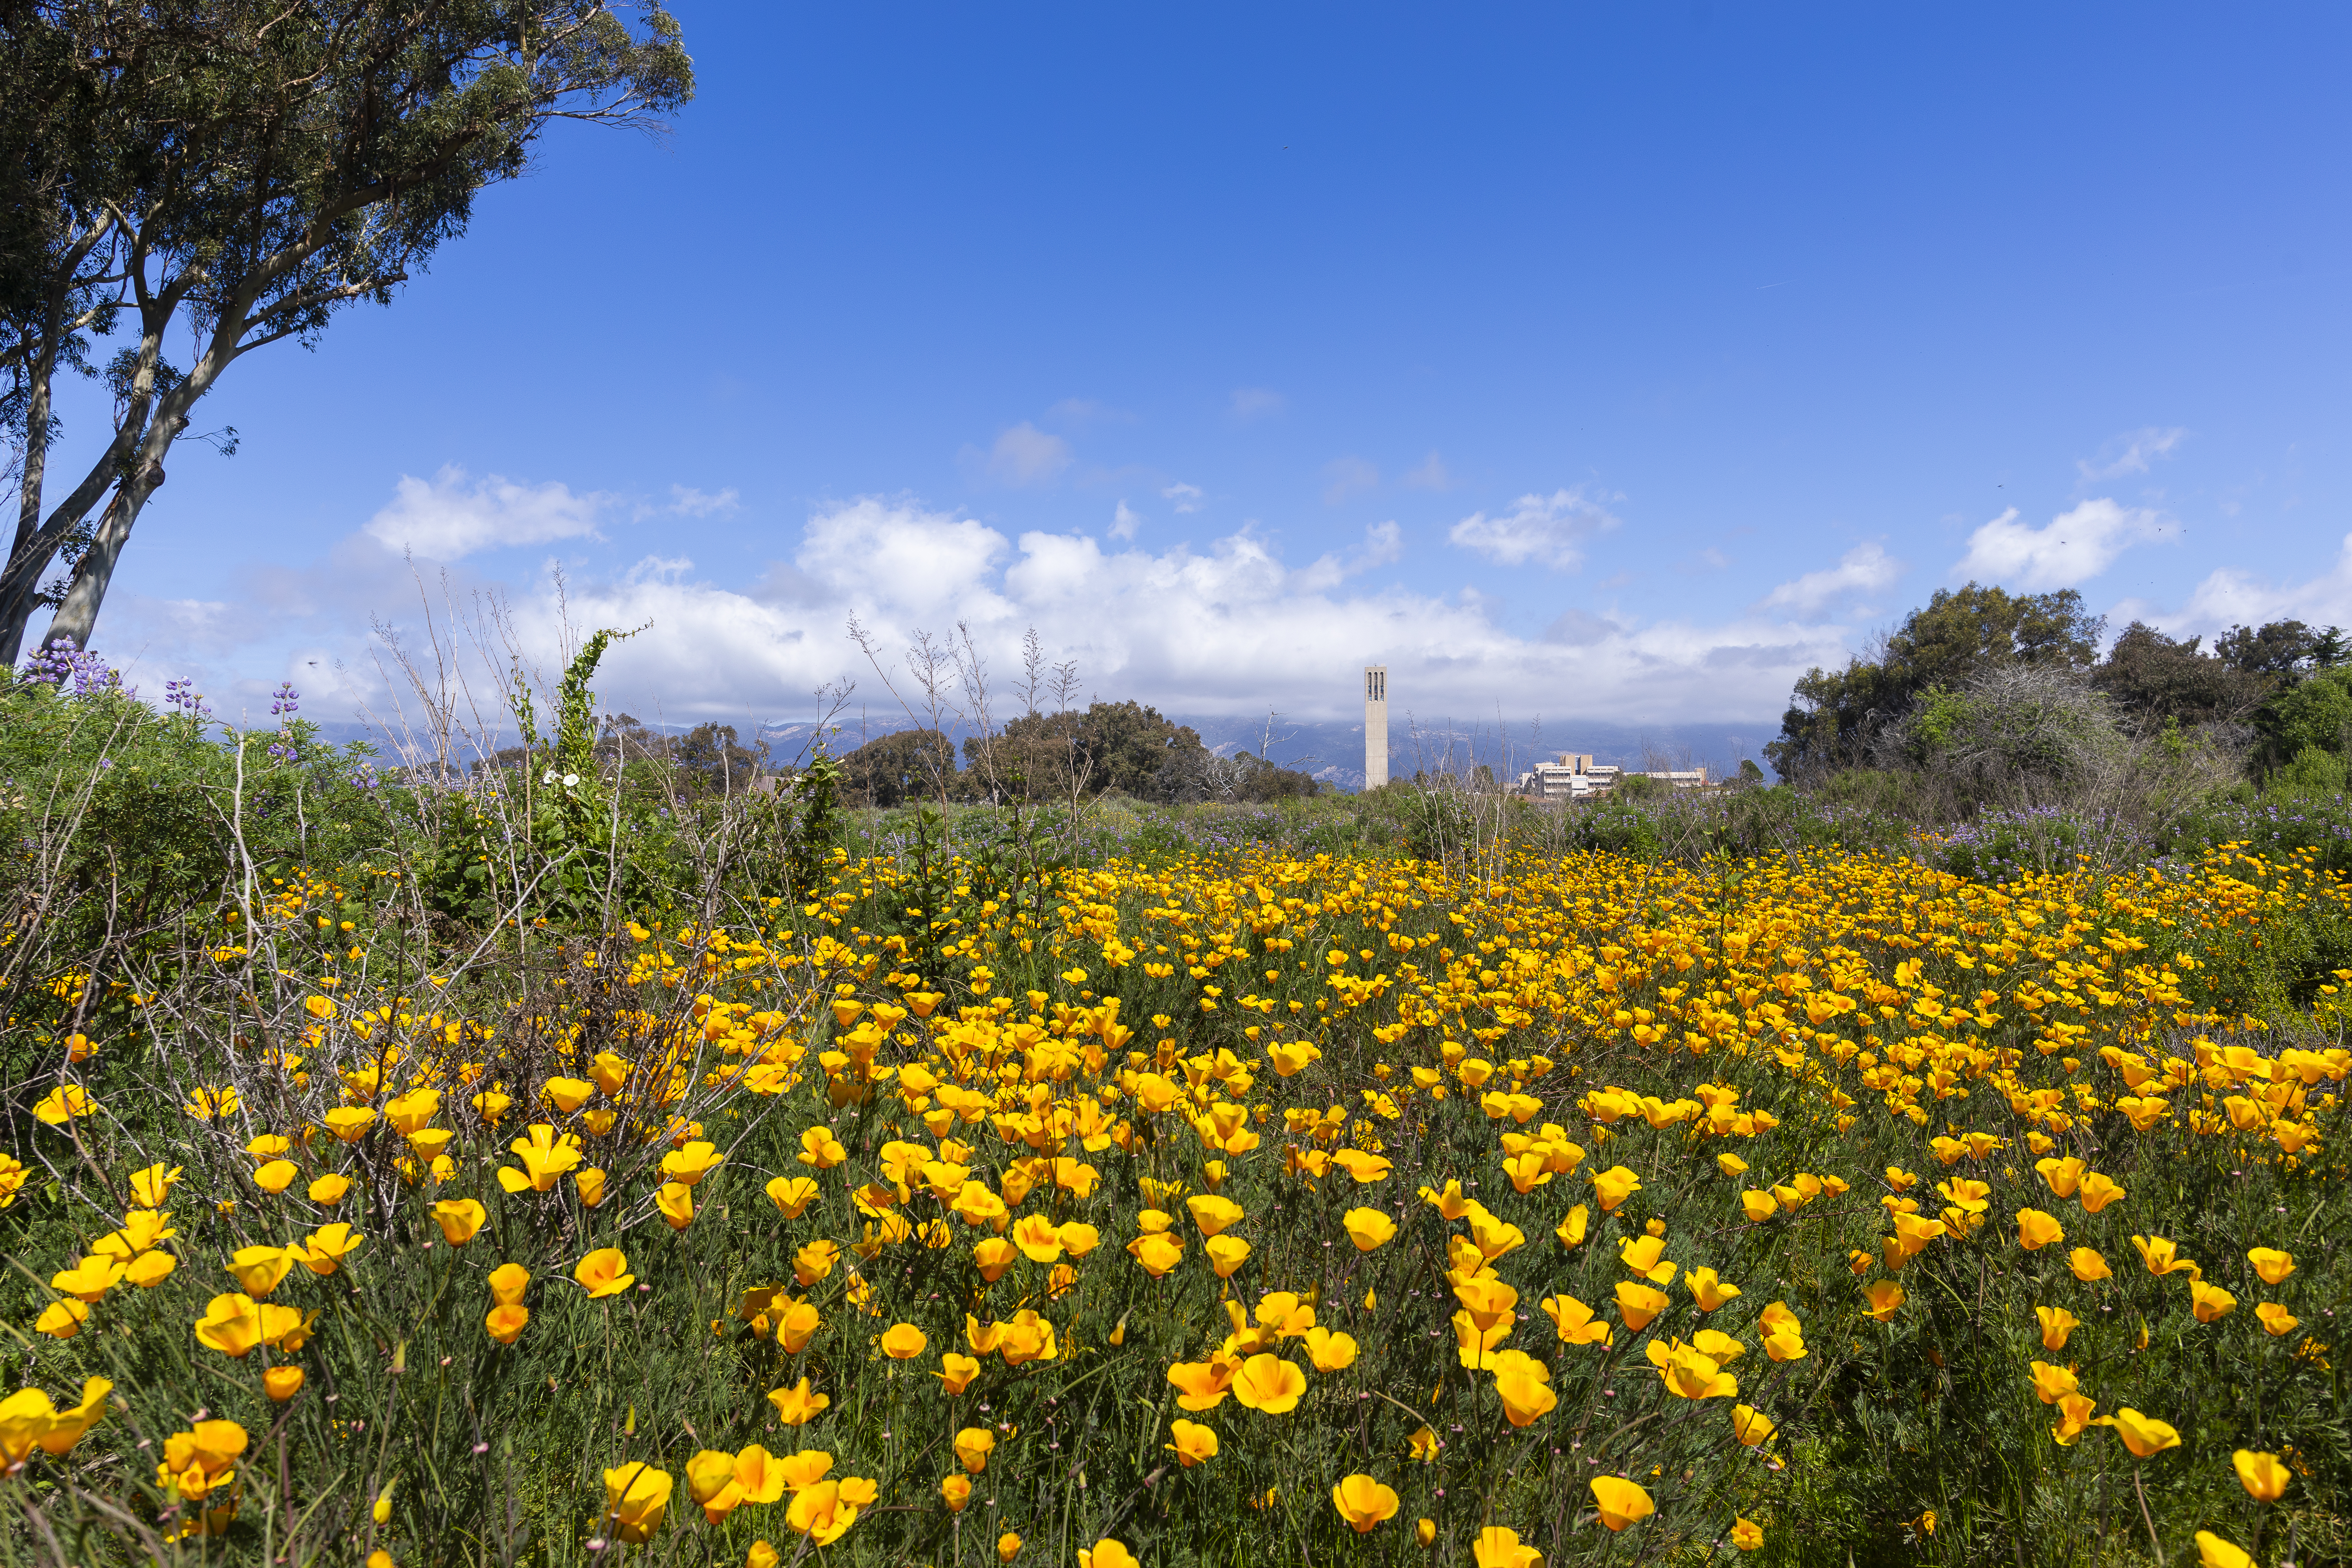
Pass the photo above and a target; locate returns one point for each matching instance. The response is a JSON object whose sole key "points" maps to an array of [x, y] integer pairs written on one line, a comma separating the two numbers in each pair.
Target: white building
{"points": [[1574, 776], [1376, 725]]}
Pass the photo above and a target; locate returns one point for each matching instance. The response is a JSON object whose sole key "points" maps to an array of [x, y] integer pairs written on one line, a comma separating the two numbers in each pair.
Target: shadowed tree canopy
{"points": [[1110, 745], [228, 174], [1121, 746], [2282, 651], [1954, 635], [894, 769], [2154, 679]]}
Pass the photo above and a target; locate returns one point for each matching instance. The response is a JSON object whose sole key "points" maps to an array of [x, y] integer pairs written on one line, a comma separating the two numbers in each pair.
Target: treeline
{"points": [[710, 759], [1988, 698], [1122, 748]]}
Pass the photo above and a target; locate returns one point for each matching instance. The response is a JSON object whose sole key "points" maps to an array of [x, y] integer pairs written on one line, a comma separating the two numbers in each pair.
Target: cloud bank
{"points": [[1227, 628]]}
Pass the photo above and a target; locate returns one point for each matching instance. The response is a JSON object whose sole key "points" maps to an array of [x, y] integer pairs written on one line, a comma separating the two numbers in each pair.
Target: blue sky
{"points": [[1611, 363]]}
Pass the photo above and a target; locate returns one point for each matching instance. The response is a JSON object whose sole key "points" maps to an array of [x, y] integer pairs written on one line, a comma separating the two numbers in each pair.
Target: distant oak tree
{"points": [[225, 174]]}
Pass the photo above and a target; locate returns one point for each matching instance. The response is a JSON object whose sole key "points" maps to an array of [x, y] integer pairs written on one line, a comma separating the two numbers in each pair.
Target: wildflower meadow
{"points": [[423, 1174]]}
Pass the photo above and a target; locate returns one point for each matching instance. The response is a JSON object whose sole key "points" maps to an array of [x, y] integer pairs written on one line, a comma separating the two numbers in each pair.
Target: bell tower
{"points": [[1376, 725]]}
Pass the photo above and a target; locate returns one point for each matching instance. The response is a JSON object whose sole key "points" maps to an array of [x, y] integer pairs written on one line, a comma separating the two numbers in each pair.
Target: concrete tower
{"points": [[1376, 725]]}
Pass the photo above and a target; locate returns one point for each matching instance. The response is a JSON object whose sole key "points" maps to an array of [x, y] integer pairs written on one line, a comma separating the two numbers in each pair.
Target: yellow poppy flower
{"points": [[1707, 1290], [459, 1219], [1194, 1443], [797, 1405], [1369, 1228], [2144, 1435], [635, 1497], [2270, 1265], [1621, 1501], [1269, 1385], [791, 1195], [605, 1272], [1638, 1303], [1363, 1502], [2036, 1229], [973, 1447], [2263, 1475]]}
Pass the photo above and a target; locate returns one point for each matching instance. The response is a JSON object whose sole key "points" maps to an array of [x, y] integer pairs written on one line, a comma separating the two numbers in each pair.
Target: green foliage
{"points": [[2315, 715], [125, 826], [2312, 770], [551, 838], [1937, 720], [1958, 634]]}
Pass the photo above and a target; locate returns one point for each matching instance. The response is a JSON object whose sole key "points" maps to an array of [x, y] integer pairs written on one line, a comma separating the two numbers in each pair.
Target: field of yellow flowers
{"points": [[1237, 1209]]}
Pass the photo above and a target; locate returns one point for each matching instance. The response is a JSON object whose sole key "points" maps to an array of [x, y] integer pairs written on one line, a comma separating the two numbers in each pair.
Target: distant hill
{"points": [[1333, 751]]}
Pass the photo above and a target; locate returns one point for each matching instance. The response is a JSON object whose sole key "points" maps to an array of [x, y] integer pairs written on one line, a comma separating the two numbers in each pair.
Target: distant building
{"points": [[1575, 776], [1376, 725]]}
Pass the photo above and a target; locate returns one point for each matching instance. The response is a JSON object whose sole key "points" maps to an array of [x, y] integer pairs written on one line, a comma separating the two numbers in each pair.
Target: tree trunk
{"points": [[18, 587], [77, 615]]}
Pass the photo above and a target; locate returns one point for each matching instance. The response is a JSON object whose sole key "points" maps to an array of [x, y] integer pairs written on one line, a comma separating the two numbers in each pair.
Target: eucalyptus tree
{"points": [[227, 174]]}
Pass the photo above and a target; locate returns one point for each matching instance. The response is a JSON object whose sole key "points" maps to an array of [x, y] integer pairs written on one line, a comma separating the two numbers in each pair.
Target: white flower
{"points": [[550, 778], [572, 781]]}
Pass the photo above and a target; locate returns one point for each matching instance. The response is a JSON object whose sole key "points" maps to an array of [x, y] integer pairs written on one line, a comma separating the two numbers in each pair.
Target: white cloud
{"points": [[1186, 497], [1548, 530], [1863, 569], [1345, 477], [1125, 521], [2131, 453], [2229, 598], [684, 500], [1430, 474], [2072, 548], [447, 519], [1383, 542], [1227, 629], [1257, 403], [1025, 455]]}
